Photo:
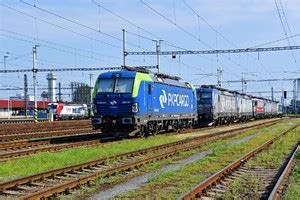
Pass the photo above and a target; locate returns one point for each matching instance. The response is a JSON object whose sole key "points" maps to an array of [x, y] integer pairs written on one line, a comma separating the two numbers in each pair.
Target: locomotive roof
{"points": [[231, 91], [156, 77]]}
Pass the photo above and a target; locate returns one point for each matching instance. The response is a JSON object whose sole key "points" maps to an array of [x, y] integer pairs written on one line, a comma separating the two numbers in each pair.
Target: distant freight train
{"points": [[63, 111], [221, 106], [139, 102]]}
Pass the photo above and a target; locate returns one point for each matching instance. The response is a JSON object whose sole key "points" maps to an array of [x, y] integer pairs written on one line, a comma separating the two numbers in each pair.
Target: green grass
{"points": [[100, 184], [51, 160], [171, 184], [246, 188], [293, 190], [272, 158]]}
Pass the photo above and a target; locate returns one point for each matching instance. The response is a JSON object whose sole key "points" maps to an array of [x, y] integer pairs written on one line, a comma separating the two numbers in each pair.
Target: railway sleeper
{"points": [[62, 177], [70, 174], [88, 170], [12, 192], [38, 184], [26, 188]]}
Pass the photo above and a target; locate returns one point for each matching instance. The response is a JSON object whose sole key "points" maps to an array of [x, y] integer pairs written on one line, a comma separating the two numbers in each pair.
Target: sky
{"points": [[85, 33]]}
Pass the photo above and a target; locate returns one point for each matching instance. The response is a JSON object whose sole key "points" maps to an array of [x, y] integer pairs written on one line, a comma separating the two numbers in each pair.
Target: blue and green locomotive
{"points": [[139, 102]]}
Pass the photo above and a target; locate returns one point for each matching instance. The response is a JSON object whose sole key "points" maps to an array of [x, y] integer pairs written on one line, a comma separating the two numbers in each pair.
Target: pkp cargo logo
{"points": [[171, 99], [113, 102], [163, 99]]}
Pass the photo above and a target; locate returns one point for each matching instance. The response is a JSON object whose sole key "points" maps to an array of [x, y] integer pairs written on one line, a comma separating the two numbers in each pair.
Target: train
{"points": [[65, 111], [221, 106], [139, 102]]}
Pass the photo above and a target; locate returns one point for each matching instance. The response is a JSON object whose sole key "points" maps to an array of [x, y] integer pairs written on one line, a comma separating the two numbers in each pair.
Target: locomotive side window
{"points": [[106, 85], [149, 89]]}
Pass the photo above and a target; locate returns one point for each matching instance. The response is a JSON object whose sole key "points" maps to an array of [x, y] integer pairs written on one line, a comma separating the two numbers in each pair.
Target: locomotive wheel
{"points": [[142, 132]]}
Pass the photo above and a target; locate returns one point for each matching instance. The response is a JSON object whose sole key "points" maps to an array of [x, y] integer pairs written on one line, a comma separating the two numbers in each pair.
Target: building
{"points": [[10, 108]]}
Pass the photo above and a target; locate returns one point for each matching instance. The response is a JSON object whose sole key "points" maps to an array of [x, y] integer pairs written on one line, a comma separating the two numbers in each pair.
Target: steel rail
{"points": [[21, 144], [45, 130], [174, 147], [276, 191], [21, 121], [47, 148], [207, 183], [44, 146], [17, 128], [47, 123], [47, 134]]}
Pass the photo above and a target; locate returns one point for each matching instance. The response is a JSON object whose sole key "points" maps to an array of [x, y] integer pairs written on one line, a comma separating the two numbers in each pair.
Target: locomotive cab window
{"points": [[116, 85], [204, 95], [106, 85], [123, 85]]}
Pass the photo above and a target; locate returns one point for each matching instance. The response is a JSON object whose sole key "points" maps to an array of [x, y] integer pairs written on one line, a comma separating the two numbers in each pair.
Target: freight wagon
{"points": [[244, 106], [138, 102], [258, 107], [216, 105]]}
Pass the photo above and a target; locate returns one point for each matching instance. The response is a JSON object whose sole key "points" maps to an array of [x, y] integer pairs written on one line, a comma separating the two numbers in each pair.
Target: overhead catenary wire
{"points": [[79, 24], [275, 41], [51, 47], [186, 32], [61, 45], [218, 32], [285, 32], [60, 27], [166, 42], [286, 21]]}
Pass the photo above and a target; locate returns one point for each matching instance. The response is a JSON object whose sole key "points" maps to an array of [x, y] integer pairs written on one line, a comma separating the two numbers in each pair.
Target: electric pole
{"points": [[295, 96], [272, 93], [59, 92], [124, 48], [220, 76], [25, 93], [91, 93], [34, 71], [4, 60], [158, 43]]}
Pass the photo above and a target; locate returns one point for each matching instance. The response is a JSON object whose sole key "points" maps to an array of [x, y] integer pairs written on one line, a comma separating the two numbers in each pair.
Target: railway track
{"points": [[41, 146], [216, 186], [46, 134], [40, 127], [11, 150], [277, 189], [53, 182], [20, 121]]}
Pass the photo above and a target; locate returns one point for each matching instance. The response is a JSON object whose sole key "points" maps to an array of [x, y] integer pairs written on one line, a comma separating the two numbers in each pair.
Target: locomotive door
{"points": [[149, 99]]}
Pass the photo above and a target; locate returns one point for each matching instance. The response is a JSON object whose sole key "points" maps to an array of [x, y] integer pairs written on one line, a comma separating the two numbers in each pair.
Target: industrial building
{"points": [[16, 108]]}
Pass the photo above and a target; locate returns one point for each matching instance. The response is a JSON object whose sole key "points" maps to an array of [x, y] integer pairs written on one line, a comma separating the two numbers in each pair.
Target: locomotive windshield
{"points": [[106, 85], [116, 85], [52, 106], [204, 95]]}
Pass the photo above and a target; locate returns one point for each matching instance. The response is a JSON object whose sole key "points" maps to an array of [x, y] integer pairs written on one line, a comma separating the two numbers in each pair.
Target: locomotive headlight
{"points": [[135, 107]]}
